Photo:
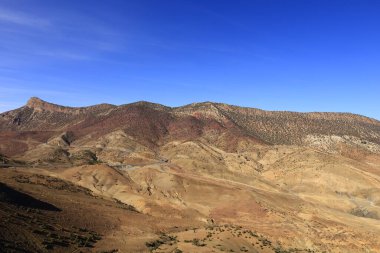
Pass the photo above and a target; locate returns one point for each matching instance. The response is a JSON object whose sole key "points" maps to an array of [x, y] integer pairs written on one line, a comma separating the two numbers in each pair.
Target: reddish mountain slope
{"points": [[153, 125]]}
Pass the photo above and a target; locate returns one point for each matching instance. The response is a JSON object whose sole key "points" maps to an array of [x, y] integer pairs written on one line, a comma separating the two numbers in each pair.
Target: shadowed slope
{"points": [[9, 195]]}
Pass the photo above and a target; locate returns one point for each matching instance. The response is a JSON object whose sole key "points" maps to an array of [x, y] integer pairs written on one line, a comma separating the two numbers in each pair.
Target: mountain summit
{"points": [[35, 102], [39, 104]]}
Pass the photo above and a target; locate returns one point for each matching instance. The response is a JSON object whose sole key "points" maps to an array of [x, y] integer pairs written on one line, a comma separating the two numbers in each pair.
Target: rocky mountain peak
{"points": [[41, 105], [35, 102]]}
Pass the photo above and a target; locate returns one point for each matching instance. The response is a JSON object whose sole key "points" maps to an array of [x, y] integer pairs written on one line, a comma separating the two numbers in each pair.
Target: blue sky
{"points": [[298, 55]]}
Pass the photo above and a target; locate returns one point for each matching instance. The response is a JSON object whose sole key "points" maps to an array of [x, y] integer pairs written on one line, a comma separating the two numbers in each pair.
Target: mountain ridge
{"points": [[35, 102], [153, 125]]}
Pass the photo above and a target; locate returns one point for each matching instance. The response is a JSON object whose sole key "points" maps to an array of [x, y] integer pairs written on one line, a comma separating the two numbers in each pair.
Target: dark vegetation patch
{"points": [[363, 212], [83, 157], [128, 207], [197, 242], [3, 159], [164, 239], [212, 239]]}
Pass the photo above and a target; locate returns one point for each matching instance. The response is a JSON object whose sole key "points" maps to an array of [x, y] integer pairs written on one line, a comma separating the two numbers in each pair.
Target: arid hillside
{"points": [[205, 177], [152, 125]]}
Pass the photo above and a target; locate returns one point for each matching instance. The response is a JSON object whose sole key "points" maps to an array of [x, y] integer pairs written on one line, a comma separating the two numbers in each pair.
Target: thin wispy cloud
{"points": [[6, 91], [8, 70], [8, 106], [20, 18], [54, 35], [65, 55], [13, 96]]}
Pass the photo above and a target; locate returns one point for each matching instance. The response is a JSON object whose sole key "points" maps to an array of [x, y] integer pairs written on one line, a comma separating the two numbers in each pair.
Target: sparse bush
{"points": [[164, 238], [198, 242]]}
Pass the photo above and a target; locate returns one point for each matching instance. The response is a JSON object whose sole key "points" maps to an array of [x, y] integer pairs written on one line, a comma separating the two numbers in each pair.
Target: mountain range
{"points": [[204, 177]]}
